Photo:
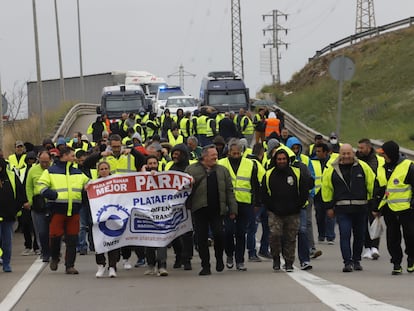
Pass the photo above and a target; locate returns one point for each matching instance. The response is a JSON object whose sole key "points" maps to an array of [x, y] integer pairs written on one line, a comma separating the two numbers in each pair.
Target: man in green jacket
{"points": [[211, 200]]}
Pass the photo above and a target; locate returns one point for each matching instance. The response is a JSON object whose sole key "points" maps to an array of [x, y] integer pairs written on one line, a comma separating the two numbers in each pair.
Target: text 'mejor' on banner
{"points": [[143, 209]]}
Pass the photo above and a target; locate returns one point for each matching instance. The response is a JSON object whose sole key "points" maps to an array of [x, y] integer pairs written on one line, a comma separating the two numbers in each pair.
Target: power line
{"points": [[365, 16], [236, 39], [275, 42], [181, 73]]}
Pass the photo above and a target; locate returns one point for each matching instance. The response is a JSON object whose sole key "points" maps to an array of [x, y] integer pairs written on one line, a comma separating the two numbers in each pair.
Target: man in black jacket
{"points": [[183, 245], [284, 192]]}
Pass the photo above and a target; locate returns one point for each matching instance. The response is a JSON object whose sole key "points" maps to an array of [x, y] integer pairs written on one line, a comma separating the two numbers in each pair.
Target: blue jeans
{"points": [[41, 228], [6, 237], [236, 230], [355, 224], [303, 242], [326, 225], [85, 227], [262, 217]]}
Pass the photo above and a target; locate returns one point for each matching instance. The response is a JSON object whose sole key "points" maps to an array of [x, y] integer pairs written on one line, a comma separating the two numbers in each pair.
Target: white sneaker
{"points": [[162, 272], [127, 265], [112, 272], [367, 253], [150, 271], [374, 253], [101, 271]]}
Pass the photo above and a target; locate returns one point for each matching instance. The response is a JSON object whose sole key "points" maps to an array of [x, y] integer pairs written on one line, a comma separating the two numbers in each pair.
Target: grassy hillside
{"points": [[377, 103]]}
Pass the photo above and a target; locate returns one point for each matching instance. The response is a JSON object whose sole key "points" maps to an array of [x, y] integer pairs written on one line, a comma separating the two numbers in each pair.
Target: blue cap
{"points": [[61, 141]]}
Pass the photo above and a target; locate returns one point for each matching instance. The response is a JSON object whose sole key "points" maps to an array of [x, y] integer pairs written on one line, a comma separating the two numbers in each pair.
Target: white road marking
{"points": [[339, 297], [22, 285]]}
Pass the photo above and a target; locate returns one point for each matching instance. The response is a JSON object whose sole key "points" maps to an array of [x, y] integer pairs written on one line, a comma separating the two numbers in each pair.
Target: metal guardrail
{"points": [[296, 127], [72, 115], [307, 134], [368, 33]]}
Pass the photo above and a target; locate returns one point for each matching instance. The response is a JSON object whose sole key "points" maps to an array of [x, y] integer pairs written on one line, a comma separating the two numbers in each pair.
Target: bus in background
{"points": [[224, 91], [118, 99], [148, 81]]}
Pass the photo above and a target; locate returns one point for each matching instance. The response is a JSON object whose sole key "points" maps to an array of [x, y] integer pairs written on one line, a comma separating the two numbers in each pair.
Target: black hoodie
{"points": [[183, 162], [11, 202]]}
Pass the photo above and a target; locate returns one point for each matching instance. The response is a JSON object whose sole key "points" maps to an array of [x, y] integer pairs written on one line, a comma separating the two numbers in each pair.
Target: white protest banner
{"points": [[143, 208]]}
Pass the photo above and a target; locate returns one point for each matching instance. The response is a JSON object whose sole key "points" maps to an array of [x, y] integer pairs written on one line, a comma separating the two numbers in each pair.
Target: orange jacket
{"points": [[272, 125]]}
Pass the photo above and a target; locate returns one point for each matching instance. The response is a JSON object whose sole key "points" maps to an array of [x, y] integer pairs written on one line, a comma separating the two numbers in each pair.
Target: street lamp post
{"points": [[39, 79], [62, 81], [82, 83]]}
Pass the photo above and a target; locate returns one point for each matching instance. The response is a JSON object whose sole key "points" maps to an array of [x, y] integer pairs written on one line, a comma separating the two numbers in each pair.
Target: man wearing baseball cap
{"points": [[397, 204], [17, 159]]}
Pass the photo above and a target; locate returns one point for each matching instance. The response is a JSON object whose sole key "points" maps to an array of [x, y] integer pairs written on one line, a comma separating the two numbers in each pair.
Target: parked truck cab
{"points": [[224, 91], [118, 99]]}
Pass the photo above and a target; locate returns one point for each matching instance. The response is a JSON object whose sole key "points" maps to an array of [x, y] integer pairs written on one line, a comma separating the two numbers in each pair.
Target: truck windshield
{"points": [[121, 104], [235, 99], [153, 87]]}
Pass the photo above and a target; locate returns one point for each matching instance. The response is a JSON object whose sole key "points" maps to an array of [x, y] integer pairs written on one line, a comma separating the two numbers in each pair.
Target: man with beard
{"points": [[183, 245], [284, 192], [367, 154]]}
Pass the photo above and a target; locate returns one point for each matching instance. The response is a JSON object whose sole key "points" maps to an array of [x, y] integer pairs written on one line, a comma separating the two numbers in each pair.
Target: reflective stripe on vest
{"points": [[318, 175], [123, 164], [183, 126], [209, 131], [174, 141], [398, 194], [249, 130], [202, 125], [241, 179]]}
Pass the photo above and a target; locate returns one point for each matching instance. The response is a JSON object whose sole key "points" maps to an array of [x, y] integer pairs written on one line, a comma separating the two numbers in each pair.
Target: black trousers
{"points": [[395, 221], [204, 219]]}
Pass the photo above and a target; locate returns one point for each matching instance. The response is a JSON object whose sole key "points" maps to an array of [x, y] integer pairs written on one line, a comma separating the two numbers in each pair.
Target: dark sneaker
{"points": [[7, 268], [357, 266], [347, 268], [305, 266], [229, 263], [140, 263], [177, 264], [83, 252], [315, 253], [289, 268], [265, 255], [276, 264], [54, 264], [254, 258], [397, 270], [410, 265], [241, 267], [187, 266], [71, 270], [219, 265], [205, 271]]}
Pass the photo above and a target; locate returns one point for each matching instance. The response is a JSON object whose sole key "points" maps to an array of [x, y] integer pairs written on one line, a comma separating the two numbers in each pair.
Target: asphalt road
{"points": [[325, 287]]}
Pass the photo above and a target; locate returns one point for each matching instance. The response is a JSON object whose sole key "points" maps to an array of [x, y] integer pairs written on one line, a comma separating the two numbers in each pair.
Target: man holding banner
{"points": [[212, 199]]}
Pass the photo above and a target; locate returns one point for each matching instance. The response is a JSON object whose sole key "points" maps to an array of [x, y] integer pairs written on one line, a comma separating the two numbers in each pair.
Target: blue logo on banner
{"points": [[113, 220]]}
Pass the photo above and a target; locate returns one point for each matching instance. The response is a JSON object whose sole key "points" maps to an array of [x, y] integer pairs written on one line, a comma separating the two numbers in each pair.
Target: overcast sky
{"points": [[159, 35]]}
